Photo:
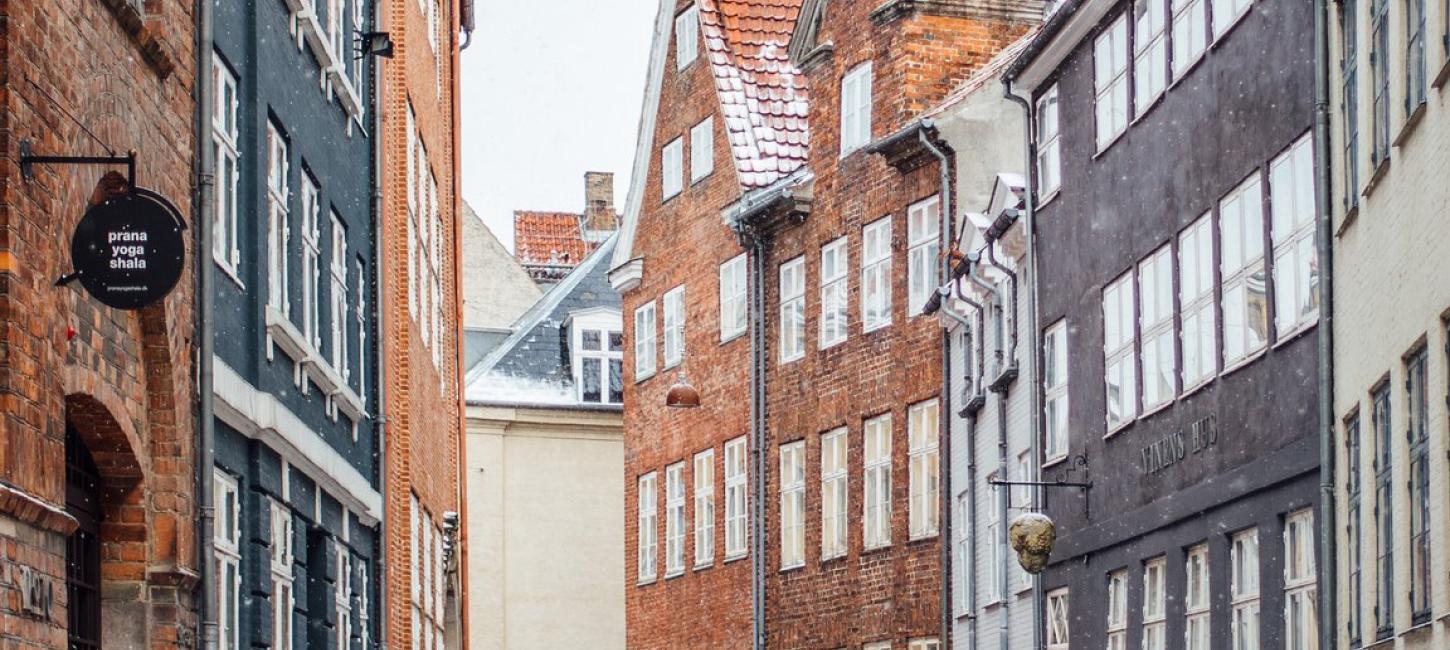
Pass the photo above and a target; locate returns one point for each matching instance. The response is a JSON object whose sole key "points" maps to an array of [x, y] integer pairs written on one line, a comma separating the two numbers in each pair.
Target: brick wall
{"points": [[124, 379]]}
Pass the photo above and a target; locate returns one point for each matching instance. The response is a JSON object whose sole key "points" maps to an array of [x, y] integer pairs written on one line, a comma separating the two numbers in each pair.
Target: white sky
{"points": [[551, 89]]}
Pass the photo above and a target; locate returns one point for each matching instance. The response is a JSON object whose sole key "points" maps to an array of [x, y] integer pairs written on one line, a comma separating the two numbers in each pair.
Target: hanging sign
{"points": [[129, 250]]}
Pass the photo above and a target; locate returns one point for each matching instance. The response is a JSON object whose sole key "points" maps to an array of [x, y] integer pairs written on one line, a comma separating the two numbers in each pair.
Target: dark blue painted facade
{"points": [[281, 82]]}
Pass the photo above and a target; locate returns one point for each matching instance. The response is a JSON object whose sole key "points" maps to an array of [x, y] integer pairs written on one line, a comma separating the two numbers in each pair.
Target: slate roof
{"points": [[549, 238], [531, 366]]}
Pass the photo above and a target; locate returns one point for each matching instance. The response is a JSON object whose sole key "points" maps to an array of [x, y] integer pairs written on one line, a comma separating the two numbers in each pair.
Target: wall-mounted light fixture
{"points": [[374, 44], [682, 395]]}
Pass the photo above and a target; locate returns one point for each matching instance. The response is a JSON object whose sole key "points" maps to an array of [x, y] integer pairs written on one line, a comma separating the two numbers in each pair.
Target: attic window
{"points": [[687, 37], [597, 341]]}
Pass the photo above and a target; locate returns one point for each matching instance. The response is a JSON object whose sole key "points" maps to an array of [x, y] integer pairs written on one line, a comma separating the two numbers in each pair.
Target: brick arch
{"points": [[92, 407]]}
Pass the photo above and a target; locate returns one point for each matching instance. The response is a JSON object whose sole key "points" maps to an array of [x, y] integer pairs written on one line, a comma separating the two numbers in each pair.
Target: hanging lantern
{"points": [[682, 395]]}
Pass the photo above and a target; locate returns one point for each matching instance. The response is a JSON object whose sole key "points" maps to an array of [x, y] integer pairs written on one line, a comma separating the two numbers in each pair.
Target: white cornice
{"points": [[644, 147], [1076, 28]]}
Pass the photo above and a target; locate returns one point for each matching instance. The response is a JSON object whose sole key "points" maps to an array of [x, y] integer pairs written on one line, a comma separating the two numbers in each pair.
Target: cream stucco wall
{"points": [[495, 288], [546, 512]]}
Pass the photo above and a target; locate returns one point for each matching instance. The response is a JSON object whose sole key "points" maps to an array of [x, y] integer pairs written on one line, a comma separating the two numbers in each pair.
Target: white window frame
{"points": [[1110, 82], [1190, 34], [1150, 53], [1055, 421], [360, 314], [737, 533], [675, 520], [856, 108], [923, 220], [687, 37], [924, 469], [704, 479], [924, 644], [997, 558], [644, 341], [876, 504], [311, 260], [672, 169], [279, 225], [1292, 217], [1155, 610], [702, 149], [1119, 352], [341, 596], [1197, 601], [281, 556], [1241, 260], [878, 645], [1197, 314], [227, 553], [1159, 356], [1059, 620], [734, 280], [1301, 621], [793, 310], [792, 505], [835, 483], [647, 523], [608, 325], [674, 326], [225, 136], [876, 274], [834, 293], [1117, 602], [1049, 145], [337, 296], [1226, 13], [1244, 589]]}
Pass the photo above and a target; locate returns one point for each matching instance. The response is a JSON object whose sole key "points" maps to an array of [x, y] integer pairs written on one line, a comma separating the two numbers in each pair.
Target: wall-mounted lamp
{"points": [[682, 395], [374, 44]]}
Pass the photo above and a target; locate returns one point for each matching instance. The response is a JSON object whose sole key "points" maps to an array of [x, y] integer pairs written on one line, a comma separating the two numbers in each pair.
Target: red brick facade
{"points": [[919, 54], [120, 380], [423, 442]]}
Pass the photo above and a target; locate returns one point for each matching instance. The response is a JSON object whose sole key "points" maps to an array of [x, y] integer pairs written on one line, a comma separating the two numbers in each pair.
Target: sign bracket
{"points": [[28, 160], [1079, 463]]}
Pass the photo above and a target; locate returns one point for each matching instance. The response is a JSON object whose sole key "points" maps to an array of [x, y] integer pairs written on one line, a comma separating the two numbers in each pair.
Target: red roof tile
{"points": [[549, 238]]}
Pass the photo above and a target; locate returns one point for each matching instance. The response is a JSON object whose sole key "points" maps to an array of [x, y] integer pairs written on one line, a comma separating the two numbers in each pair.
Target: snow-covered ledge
{"points": [[281, 333], [310, 367]]}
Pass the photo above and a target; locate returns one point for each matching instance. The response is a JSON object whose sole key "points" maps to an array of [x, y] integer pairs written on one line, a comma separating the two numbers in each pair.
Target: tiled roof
{"points": [[549, 238], [762, 95]]}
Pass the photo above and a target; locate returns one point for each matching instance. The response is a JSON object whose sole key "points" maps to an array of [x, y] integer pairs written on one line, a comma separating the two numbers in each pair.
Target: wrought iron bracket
{"points": [[1079, 463], [29, 160]]}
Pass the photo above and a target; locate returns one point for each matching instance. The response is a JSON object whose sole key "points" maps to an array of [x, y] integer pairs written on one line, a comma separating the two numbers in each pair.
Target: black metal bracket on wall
{"points": [[28, 160], [1079, 463]]}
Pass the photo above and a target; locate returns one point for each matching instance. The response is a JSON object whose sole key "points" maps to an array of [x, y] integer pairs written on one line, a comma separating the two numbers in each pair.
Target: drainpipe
{"points": [[201, 258], [1034, 338], [759, 247], [380, 385], [1328, 611]]}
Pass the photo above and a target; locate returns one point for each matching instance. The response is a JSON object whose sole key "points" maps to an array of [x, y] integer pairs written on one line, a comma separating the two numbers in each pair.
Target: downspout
{"points": [[201, 258], [759, 247], [944, 442], [1328, 552], [1034, 337], [380, 385], [1012, 308]]}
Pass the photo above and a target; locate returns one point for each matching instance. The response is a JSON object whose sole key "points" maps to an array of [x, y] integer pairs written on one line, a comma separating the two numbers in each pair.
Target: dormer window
{"points": [[687, 37], [597, 342]]}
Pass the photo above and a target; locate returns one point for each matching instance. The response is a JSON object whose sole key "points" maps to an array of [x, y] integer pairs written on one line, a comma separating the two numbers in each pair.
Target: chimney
{"points": [[599, 214]]}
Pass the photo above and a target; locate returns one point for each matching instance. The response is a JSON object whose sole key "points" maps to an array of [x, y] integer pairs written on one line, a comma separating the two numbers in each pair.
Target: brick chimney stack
{"points": [[599, 214]]}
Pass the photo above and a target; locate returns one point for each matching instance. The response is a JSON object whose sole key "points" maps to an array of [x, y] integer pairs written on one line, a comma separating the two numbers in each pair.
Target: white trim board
{"points": [[664, 25], [260, 416]]}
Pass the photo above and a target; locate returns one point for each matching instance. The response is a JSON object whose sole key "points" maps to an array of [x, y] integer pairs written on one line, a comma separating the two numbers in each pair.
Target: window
{"points": [[1110, 81], [833, 293], [226, 540], [675, 519], [224, 150], [924, 469], [876, 274], [1296, 264], [856, 108], [1155, 317], [427, 578], [336, 30], [1058, 620], [1150, 53], [279, 225], [1414, 55], [1419, 485], [357, 67], [311, 255], [687, 37], [341, 600], [1118, 610], [337, 317], [671, 173], [702, 149], [924, 644], [363, 625], [792, 505], [1301, 620], [1054, 392], [963, 561], [876, 524], [1155, 625], [1244, 590], [1118, 339], [598, 359], [833, 494], [1384, 513], [1190, 34], [705, 508], [1245, 304], [1196, 601], [736, 534], [1379, 68], [647, 515], [879, 645], [280, 546], [1049, 146], [793, 310], [674, 334], [1349, 98], [360, 312], [997, 561], [416, 163], [1354, 530], [732, 298], [1195, 299], [644, 341], [924, 236], [1226, 13]]}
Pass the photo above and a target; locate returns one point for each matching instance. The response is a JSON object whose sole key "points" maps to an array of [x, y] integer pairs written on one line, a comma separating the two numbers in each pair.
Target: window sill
{"points": [[731, 337], [696, 181], [1350, 216], [229, 271], [793, 568], [665, 200], [1244, 362], [1054, 461], [1140, 115], [1408, 128], [875, 549], [737, 557], [924, 537], [674, 574], [789, 360], [640, 379], [826, 345], [1237, 20], [830, 559], [701, 567], [1191, 390], [1180, 75], [1442, 77], [875, 328], [1378, 175], [1156, 408], [1043, 202], [671, 365], [1298, 331], [644, 582], [1104, 147], [1119, 428]]}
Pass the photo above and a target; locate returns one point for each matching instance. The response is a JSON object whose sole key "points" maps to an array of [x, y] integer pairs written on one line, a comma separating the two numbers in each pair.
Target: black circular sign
{"points": [[129, 251]]}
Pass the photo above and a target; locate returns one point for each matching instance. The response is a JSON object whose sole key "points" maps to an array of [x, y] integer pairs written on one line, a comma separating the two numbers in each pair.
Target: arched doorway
{"points": [[83, 549]]}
